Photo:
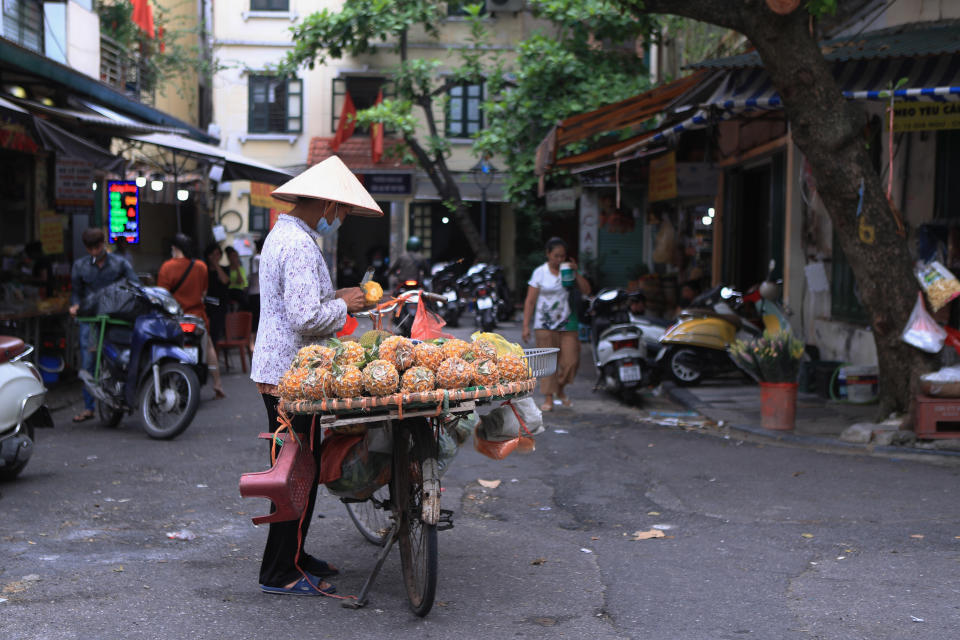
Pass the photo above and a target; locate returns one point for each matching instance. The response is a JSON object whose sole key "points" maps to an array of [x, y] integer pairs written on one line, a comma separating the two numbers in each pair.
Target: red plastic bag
{"points": [[500, 449], [348, 327], [427, 324]]}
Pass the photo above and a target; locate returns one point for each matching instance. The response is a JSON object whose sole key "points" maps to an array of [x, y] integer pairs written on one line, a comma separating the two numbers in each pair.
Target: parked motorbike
{"points": [[143, 364], [490, 277], [22, 406], [444, 282], [194, 329], [695, 346], [618, 345], [486, 303]]}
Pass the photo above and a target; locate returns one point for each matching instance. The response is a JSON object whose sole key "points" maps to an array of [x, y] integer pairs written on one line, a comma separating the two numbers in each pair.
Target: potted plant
{"points": [[773, 360]]}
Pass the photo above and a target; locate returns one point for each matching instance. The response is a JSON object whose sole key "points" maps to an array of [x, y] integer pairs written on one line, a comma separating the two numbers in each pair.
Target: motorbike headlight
{"points": [[163, 299]]}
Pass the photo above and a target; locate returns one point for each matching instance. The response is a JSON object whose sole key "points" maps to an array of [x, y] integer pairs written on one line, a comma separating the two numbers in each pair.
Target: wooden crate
{"points": [[936, 417]]}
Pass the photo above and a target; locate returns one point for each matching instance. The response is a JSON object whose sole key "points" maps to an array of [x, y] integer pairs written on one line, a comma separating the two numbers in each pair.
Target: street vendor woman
{"points": [[298, 306]]}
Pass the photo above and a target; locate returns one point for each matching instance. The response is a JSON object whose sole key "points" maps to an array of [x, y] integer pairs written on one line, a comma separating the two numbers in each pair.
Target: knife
{"points": [[368, 276]]}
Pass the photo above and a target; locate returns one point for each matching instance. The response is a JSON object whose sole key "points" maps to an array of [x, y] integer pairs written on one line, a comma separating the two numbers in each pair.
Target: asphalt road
{"points": [[759, 541]]}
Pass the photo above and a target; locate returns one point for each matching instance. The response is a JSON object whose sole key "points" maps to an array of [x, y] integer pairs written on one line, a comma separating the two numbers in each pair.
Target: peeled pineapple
{"points": [[428, 355], [372, 292], [398, 350], [417, 379], [380, 378], [318, 384], [291, 384], [454, 373], [455, 348], [483, 350], [348, 352], [347, 381], [486, 373], [315, 356], [512, 368]]}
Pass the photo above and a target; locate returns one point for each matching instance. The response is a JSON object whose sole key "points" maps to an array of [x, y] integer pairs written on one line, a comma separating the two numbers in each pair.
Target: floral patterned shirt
{"points": [[553, 300], [297, 303]]}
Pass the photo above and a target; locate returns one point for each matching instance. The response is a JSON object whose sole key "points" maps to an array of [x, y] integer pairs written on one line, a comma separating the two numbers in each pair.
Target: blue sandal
{"points": [[303, 587]]}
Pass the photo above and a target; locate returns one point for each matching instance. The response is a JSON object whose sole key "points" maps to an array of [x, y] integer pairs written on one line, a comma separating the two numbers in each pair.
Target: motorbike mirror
{"points": [[726, 293], [607, 296]]}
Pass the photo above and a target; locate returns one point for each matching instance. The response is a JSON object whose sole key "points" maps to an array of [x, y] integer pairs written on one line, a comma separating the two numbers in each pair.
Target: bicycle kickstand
{"points": [[361, 600]]}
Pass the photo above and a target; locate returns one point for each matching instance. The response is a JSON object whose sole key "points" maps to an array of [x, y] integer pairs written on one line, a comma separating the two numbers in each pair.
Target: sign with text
{"points": [[924, 116], [562, 199], [123, 211], [74, 183], [51, 233], [387, 184], [663, 177]]}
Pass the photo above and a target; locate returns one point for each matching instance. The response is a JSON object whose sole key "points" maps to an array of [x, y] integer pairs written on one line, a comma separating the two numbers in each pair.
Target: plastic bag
{"points": [[501, 344], [503, 423], [498, 449], [922, 330], [122, 300], [427, 324], [362, 470], [940, 285]]}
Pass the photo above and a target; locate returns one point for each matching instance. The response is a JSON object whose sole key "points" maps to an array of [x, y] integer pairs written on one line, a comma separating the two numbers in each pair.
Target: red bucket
{"points": [[778, 405]]}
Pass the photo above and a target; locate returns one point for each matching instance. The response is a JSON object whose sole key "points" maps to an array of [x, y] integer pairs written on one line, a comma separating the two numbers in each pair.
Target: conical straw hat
{"points": [[330, 180]]}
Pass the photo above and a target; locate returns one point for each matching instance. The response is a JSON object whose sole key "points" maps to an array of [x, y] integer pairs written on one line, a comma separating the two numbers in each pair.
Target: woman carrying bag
{"points": [[555, 324]]}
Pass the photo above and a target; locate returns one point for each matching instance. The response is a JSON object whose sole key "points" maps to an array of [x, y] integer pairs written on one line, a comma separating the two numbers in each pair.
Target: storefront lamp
{"points": [[706, 220], [141, 181], [711, 212], [182, 195], [94, 186], [445, 220], [156, 184]]}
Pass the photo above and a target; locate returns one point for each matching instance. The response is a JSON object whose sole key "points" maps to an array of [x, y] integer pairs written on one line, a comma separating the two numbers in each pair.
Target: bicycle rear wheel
{"points": [[370, 516], [417, 539]]}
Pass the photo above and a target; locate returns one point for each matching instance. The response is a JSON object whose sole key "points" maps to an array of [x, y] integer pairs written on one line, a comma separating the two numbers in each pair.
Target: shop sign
{"points": [[73, 183], [51, 233], [696, 179], [925, 116], [14, 136], [663, 177], [387, 184], [123, 210], [589, 226], [562, 199], [260, 197]]}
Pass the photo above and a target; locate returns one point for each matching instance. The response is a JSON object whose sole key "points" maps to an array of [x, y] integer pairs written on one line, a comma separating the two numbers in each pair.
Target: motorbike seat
{"points": [[735, 320], [10, 347]]}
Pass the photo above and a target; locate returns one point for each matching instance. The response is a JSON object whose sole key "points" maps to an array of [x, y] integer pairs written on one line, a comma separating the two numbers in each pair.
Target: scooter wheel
{"points": [[179, 399], [109, 418], [681, 372]]}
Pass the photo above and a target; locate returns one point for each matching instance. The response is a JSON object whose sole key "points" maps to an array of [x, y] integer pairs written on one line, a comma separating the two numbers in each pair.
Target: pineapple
{"points": [[398, 350], [348, 352], [486, 373], [380, 378], [347, 381], [428, 355], [455, 348], [484, 350], [417, 379], [372, 292], [315, 356], [513, 368], [291, 383], [454, 373], [318, 385]]}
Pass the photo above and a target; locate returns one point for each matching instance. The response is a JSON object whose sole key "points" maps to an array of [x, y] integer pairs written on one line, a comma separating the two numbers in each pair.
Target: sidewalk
{"points": [[819, 423]]}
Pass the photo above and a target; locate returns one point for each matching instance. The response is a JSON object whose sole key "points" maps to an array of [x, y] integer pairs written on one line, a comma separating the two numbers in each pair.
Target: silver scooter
{"points": [[619, 348], [22, 406]]}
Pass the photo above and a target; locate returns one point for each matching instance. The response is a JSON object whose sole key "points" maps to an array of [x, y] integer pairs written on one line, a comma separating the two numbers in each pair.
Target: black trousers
{"points": [[278, 567]]}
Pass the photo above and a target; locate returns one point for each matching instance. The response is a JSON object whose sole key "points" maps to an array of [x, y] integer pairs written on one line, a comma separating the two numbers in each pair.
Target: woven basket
{"points": [[405, 401]]}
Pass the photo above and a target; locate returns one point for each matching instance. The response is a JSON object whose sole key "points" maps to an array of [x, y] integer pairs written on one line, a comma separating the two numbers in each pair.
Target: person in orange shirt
{"points": [[186, 279]]}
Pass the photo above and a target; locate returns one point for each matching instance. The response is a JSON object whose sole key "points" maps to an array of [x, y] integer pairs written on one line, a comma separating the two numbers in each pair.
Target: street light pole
{"points": [[483, 173]]}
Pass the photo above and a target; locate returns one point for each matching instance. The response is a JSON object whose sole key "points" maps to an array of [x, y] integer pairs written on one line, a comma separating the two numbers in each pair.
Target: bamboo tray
{"points": [[439, 400]]}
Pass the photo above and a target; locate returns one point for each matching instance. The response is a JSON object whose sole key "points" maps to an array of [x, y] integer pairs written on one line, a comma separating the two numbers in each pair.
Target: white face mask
{"points": [[325, 228]]}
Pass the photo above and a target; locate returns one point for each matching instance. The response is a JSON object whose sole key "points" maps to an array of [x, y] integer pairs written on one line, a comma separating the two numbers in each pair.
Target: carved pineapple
{"points": [[291, 383], [427, 354], [347, 381], [486, 373], [455, 348], [512, 368], [380, 378], [398, 350], [417, 379], [318, 384], [454, 373]]}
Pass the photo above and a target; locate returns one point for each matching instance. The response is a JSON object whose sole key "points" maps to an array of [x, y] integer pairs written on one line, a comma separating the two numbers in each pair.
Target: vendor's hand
{"points": [[526, 334], [354, 297], [73, 309], [573, 262]]}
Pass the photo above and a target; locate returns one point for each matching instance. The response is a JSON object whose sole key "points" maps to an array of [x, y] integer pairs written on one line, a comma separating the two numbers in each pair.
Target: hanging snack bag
{"points": [[940, 285]]}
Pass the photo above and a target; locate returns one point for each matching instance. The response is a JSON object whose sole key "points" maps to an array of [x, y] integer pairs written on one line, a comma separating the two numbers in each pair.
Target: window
{"points": [[275, 105], [363, 91], [258, 219], [269, 5], [465, 110], [23, 23], [455, 7]]}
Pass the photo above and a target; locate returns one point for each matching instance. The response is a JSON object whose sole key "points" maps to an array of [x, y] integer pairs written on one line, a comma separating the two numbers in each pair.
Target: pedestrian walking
{"points": [[299, 307], [217, 299], [186, 279], [550, 307], [91, 274]]}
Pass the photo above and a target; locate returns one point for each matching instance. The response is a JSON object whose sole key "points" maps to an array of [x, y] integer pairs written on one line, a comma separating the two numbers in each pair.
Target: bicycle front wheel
{"points": [[417, 539], [370, 516]]}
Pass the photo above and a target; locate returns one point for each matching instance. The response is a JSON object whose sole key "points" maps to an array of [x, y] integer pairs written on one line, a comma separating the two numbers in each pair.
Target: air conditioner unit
{"points": [[504, 6]]}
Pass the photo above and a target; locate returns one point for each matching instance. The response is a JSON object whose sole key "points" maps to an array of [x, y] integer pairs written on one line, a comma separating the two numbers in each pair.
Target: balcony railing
{"points": [[125, 71]]}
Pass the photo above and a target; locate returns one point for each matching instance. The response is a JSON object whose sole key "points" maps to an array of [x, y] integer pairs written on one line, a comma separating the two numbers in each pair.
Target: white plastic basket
{"points": [[541, 362]]}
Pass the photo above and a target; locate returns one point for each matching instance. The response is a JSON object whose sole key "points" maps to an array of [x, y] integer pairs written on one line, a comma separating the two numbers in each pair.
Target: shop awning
{"points": [[110, 123], [235, 166]]}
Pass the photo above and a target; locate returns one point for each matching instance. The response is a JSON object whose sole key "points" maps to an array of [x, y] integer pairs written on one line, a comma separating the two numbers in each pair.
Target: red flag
{"points": [[346, 124], [376, 134], [143, 16]]}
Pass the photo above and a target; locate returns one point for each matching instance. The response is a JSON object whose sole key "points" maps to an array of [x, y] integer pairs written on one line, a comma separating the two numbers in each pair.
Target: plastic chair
{"points": [[237, 329]]}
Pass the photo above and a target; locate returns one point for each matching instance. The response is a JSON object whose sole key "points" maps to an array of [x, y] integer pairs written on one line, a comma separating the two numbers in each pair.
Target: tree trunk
{"points": [[823, 127]]}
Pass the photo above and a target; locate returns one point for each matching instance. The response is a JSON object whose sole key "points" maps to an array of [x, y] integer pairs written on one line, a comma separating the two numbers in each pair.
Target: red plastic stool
{"points": [[287, 484]]}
